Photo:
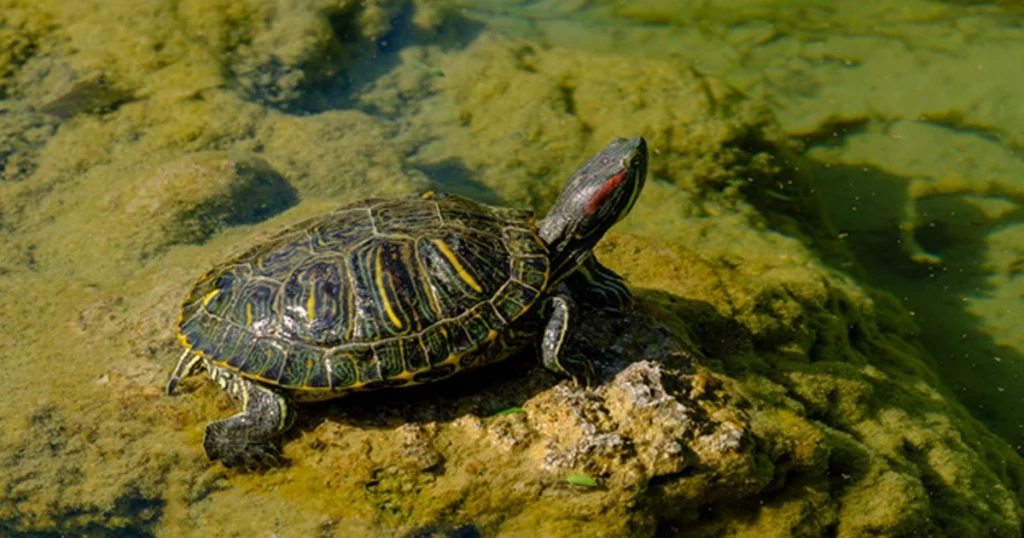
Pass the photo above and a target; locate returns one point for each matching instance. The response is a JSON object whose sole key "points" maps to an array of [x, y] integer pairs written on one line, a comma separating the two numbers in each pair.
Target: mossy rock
{"points": [[187, 200]]}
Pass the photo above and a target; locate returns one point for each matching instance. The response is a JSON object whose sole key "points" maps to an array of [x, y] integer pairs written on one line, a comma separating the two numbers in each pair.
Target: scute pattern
{"points": [[397, 217], [464, 270], [343, 227], [391, 298], [276, 259], [315, 309], [254, 307], [384, 292]]}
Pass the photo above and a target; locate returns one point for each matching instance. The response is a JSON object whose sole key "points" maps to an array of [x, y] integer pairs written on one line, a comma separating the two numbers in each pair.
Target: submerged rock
{"points": [[22, 134], [144, 210], [295, 56], [190, 198]]}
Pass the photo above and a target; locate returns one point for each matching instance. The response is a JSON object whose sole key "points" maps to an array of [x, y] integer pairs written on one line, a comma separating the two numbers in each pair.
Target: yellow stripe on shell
{"points": [[209, 297], [452, 360], [311, 305], [454, 260], [379, 274]]}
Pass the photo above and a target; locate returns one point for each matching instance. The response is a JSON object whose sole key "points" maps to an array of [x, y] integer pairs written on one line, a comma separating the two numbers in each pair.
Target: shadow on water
{"points": [[454, 35], [452, 176], [866, 204]]}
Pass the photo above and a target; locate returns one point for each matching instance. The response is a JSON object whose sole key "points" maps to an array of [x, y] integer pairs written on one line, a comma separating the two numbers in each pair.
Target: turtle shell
{"points": [[378, 293]]}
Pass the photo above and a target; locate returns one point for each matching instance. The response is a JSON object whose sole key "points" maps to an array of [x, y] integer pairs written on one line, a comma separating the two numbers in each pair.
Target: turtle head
{"points": [[597, 196]]}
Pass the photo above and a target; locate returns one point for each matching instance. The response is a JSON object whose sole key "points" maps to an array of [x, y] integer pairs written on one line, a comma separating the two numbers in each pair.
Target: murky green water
{"points": [[826, 260]]}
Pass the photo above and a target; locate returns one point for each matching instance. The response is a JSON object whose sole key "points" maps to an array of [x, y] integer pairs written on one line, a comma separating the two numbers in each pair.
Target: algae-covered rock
{"points": [[187, 200], [843, 399], [277, 53], [22, 134], [655, 415], [182, 201], [285, 53], [20, 31], [514, 115], [341, 156]]}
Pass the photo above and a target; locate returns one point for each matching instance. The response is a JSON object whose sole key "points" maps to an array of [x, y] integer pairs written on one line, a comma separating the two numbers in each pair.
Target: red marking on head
{"points": [[602, 194]]}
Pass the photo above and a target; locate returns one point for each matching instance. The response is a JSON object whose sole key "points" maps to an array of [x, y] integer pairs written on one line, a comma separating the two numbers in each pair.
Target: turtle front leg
{"points": [[560, 312], [596, 284], [250, 438]]}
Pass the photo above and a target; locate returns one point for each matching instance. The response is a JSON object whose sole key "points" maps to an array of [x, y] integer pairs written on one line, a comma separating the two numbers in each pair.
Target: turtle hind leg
{"points": [[188, 364], [251, 438]]}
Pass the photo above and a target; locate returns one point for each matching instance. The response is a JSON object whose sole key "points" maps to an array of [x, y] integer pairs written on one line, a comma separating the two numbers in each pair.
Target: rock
{"points": [[22, 134], [634, 416], [143, 210], [654, 415], [190, 198], [341, 156], [295, 56]]}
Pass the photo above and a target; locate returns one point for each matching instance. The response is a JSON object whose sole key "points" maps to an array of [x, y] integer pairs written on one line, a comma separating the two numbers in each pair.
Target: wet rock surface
{"points": [[22, 133], [509, 436], [298, 56]]}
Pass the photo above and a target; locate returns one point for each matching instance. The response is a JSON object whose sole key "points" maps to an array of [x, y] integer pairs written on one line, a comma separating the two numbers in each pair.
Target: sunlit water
{"points": [[884, 96]]}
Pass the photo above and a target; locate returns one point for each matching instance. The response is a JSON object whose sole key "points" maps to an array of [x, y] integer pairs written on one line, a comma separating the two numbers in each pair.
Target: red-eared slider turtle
{"points": [[388, 293]]}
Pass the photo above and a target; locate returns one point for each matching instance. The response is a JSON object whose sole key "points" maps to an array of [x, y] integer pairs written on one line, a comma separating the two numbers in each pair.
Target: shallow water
{"points": [[883, 95], [142, 145]]}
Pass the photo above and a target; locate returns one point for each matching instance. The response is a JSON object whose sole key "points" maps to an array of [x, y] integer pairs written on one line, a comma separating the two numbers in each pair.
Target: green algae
{"points": [[509, 411], [756, 389], [584, 480]]}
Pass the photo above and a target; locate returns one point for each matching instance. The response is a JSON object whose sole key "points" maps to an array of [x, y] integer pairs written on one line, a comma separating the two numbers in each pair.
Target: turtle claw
{"points": [[261, 457], [250, 455], [255, 458]]}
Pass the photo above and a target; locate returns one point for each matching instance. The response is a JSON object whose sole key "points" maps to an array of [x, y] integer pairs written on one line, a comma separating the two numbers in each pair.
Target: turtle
{"points": [[395, 292]]}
